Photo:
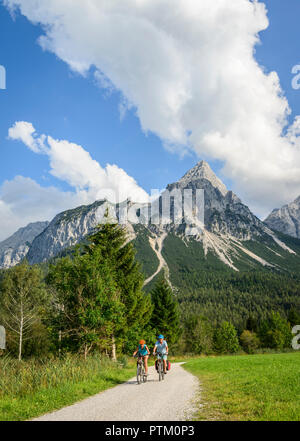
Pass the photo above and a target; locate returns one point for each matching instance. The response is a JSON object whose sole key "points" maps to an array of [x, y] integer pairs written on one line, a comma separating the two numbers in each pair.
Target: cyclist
{"points": [[143, 351], [161, 346]]}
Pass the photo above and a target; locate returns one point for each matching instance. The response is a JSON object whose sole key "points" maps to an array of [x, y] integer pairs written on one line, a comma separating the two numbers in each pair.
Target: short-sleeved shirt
{"points": [[162, 348], [143, 351]]}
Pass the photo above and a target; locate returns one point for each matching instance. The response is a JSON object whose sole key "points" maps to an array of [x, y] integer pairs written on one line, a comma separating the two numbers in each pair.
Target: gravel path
{"points": [[169, 400]]}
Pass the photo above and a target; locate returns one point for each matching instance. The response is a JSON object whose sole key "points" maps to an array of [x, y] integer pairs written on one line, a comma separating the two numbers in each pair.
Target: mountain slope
{"points": [[231, 238], [16, 247], [286, 219]]}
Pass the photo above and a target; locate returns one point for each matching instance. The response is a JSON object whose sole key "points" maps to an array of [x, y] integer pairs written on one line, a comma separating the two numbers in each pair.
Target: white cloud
{"points": [[69, 162], [25, 132], [188, 68], [22, 200]]}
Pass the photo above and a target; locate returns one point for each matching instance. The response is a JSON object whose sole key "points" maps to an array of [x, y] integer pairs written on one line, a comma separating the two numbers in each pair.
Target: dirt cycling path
{"points": [[170, 400]]}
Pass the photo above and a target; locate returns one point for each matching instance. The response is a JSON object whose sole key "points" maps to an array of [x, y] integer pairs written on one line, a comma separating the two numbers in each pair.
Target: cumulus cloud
{"points": [[22, 200], [71, 163], [188, 69], [25, 132]]}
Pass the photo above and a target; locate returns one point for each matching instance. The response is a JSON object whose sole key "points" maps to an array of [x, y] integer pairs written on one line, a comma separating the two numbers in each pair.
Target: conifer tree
{"points": [[294, 317], [165, 315], [112, 244], [89, 311]]}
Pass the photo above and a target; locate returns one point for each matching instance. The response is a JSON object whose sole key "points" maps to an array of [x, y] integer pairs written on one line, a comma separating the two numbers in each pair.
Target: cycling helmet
{"points": [[142, 342], [160, 336]]}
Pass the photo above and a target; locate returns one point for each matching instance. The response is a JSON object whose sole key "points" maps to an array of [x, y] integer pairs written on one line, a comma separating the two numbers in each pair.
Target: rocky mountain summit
{"points": [[202, 171], [227, 233], [16, 247], [286, 219], [224, 212]]}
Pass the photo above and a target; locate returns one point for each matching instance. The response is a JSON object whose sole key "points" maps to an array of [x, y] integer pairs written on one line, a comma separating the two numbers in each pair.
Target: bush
{"points": [[249, 341], [226, 339], [198, 335], [123, 361], [275, 333]]}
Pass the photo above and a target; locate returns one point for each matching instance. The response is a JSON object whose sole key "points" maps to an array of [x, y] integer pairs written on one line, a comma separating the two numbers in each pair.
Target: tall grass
{"points": [[20, 379], [33, 387]]}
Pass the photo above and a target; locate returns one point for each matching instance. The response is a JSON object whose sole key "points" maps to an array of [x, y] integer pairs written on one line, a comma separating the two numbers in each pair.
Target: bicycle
{"points": [[140, 371], [160, 367]]}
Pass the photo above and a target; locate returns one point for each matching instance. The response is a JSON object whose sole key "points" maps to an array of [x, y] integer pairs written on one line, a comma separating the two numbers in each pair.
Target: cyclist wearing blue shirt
{"points": [[143, 351], [161, 347]]}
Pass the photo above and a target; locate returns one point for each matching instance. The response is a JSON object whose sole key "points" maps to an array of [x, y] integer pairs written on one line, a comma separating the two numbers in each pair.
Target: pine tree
{"points": [[251, 324], [165, 316], [89, 311], [294, 317], [112, 244]]}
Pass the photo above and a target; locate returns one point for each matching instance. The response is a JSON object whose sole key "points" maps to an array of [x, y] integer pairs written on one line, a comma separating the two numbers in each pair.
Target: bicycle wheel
{"points": [[159, 371], [139, 374], [144, 375]]}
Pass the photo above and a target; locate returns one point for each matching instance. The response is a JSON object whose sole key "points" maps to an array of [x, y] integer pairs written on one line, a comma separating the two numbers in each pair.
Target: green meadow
{"points": [[263, 387]]}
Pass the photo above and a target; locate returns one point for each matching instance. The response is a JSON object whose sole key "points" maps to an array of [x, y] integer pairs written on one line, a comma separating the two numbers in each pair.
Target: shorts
{"points": [[162, 357]]}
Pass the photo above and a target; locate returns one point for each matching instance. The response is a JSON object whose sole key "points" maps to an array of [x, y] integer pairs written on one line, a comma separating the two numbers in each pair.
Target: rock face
{"points": [[286, 219], [65, 230], [16, 247], [69, 228], [224, 213], [228, 230], [200, 172]]}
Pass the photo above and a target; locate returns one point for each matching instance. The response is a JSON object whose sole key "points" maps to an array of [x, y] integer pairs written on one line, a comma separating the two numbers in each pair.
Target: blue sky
{"points": [[42, 89]]}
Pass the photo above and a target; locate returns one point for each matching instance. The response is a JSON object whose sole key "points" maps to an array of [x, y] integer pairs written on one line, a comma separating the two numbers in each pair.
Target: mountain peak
{"points": [[286, 219], [202, 170]]}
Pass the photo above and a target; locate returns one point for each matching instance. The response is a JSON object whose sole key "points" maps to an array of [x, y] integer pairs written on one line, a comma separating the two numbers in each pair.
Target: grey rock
{"points": [[286, 219], [15, 248], [227, 222]]}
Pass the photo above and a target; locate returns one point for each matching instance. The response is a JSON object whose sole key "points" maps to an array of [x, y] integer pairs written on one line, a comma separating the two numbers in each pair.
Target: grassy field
{"points": [[255, 387], [32, 388]]}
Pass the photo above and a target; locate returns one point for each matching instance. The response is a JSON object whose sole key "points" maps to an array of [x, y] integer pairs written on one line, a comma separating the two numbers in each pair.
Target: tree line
{"points": [[93, 300]]}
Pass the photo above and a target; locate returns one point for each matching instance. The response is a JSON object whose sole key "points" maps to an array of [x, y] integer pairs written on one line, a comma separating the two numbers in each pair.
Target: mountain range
{"points": [[231, 238], [16, 247], [286, 219]]}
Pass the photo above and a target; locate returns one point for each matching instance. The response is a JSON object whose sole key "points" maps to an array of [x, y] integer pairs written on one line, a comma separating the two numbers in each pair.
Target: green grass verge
{"points": [[31, 389], [250, 388]]}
